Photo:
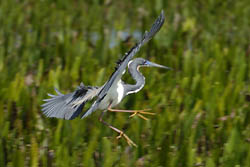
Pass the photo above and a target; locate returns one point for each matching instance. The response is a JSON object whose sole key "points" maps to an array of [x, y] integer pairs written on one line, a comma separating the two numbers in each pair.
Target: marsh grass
{"points": [[202, 106]]}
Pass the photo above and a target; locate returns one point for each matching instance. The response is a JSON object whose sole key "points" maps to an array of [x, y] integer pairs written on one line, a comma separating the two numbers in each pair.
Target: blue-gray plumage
{"points": [[121, 66], [69, 106]]}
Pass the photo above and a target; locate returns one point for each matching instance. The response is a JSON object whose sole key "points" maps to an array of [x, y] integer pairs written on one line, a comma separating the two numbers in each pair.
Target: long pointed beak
{"points": [[151, 64]]}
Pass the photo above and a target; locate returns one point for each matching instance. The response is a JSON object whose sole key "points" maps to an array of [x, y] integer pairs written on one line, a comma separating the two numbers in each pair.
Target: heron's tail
{"points": [[68, 106]]}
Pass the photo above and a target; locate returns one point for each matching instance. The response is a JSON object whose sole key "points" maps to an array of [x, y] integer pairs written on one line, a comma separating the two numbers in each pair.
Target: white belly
{"points": [[113, 97]]}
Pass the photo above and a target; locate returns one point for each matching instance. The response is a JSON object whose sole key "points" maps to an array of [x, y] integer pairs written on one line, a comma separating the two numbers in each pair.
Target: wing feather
{"points": [[68, 106]]}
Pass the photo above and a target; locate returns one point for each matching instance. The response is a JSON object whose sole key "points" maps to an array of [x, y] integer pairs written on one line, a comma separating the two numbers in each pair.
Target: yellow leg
{"points": [[135, 112], [121, 133]]}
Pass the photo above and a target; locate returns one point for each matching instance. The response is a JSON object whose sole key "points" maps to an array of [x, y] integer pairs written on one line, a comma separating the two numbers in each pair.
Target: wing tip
{"points": [[154, 28], [162, 14]]}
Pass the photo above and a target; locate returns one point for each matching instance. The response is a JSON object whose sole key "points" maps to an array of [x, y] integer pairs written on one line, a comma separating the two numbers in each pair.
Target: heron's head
{"points": [[140, 62]]}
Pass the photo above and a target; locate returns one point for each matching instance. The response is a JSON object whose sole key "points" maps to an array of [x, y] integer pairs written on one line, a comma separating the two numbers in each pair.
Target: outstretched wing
{"points": [[121, 66], [68, 106]]}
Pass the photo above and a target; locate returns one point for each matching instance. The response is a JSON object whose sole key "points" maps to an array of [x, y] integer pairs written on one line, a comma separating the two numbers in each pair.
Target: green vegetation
{"points": [[202, 106]]}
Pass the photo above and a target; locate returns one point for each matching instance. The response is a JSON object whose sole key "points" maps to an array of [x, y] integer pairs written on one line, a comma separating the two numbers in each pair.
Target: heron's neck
{"points": [[133, 69]]}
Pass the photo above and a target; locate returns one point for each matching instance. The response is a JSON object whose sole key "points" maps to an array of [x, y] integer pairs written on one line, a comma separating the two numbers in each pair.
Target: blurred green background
{"points": [[202, 106]]}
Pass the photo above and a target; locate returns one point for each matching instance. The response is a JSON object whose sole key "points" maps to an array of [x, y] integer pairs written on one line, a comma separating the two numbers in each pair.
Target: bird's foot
{"points": [[141, 112], [129, 141]]}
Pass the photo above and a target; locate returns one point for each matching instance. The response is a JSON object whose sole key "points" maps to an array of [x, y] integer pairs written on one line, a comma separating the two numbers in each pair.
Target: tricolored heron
{"points": [[69, 106]]}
